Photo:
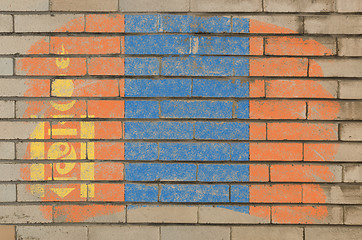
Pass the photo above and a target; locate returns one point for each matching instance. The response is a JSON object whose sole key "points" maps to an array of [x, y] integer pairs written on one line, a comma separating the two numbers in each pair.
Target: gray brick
{"points": [[17, 130], [23, 214], [6, 23], [224, 216], [226, 6], [350, 47], [46, 23], [350, 89], [333, 233], [336, 24], [7, 232], [194, 232], [266, 233], [10, 172], [19, 87], [351, 131], [6, 66], [21, 5], [52, 232], [352, 215], [346, 110], [299, 5], [20, 44], [352, 6], [7, 150], [293, 23], [353, 173], [154, 5], [337, 67], [84, 5], [343, 194], [7, 193], [162, 214], [7, 109], [123, 232]]}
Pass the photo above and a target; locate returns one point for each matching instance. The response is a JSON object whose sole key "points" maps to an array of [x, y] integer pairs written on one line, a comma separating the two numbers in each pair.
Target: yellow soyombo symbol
{"points": [[62, 63]]}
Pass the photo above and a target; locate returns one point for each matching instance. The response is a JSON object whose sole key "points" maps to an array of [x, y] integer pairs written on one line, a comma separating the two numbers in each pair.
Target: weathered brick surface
{"points": [[6, 66], [266, 233], [162, 214], [6, 23], [336, 67], [299, 6], [18, 5], [194, 233], [225, 6], [84, 5], [350, 89], [7, 150], [332, 233], [323, 110], [124, 232], [339, 152], [7, 193], [352, 215], [48, 23], [350, 47], [349, 6], [343, 194], [351, 131], [21, 44], [52, 232], [7, 109], [23, 214], [333, 24], [154, 6], [7, 232], [353, 173]]}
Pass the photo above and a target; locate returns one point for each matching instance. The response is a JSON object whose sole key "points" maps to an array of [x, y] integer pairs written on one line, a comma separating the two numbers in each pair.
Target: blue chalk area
{"points": [[211, 24], [220, 88], [158, 130], [142, 66], [169, 23], [223, 173], [197, 66], [239, 151], [239, 193], [141, 151], [196, 109], [242, 209], [240, 25], [157, 44], [141, 193], [160, 172], [242, 109], [241, 66], [141, 23], [158, 88], [194, 151], [141, 109], [220, 45], [194, 193], [222, 131]]}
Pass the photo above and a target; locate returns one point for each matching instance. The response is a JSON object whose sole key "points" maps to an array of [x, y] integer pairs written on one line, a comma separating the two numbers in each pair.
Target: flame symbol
{"points": [[62, 62]]}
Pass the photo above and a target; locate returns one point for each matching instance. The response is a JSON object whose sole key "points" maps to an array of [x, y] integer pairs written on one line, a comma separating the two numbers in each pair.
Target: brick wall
{"points": [[180, 119]]}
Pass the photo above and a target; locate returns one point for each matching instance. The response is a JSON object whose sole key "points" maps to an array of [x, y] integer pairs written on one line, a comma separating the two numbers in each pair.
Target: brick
{"points": [[49, 23], [343, 194], [23, 45], [269, 24], [142, 66], [105, 23], [350, 46], [52, 232], [281, 193], [333, 110], [105, 109], [6, 66], [7, 150], [161, 214], [141, 193], [11, 172], [302, 131], [223, 173], [125, 232], [276, 151], [301, 89], [109, 150], [7, 109], [278, 67], [350, 89], [276, 109], [352, 215], [24, 87], [85, 45], [222, 130], [17, 130], [307, 215], [24, 214], [225, 46], [6, 23], [227, 214], [141, 151], [342, 152], [87, 88], [194, 232], [299, 6], [158, 130], [7, 192], [106, 66], [305, 173], [94, 213], [142, 109], [84, 5], [7, 232], [108, 192], [352, 173], [333, 233], [225, 6], [159, 87], [299, 46], [335, 67], [154, 6], [336, 24], [18, 5], [266, 233], [351, 131], [349, 6]]}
